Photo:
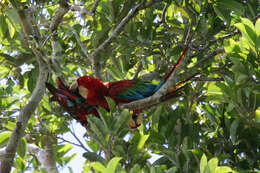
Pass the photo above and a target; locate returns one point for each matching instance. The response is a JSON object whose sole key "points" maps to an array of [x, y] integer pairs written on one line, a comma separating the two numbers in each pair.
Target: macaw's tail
{"points": [[61, 84], [57, 92], [53, 91], [175, 93], [177, 90], [178, 62]]}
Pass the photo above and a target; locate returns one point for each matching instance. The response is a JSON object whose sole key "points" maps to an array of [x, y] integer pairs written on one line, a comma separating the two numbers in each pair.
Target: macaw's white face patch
{"points": [[83, 91]]}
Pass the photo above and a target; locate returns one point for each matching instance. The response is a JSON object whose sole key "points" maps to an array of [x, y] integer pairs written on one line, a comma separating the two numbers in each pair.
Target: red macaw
{"points": [[86, 93]]}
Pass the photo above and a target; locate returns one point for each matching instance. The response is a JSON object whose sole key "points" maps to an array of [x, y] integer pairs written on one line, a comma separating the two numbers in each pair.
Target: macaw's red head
{"points": [[86, 84], [93, 90]]}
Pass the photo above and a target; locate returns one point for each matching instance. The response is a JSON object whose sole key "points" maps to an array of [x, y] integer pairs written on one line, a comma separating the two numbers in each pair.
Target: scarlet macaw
{"points": [[86, 93]]}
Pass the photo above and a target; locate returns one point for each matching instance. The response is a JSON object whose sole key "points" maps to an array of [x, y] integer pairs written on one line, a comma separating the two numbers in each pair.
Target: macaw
{"points": [[71, 101], [87, 93]]}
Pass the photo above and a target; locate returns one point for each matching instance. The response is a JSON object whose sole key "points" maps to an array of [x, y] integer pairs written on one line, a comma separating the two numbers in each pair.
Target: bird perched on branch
{"points": [[87, 93]]}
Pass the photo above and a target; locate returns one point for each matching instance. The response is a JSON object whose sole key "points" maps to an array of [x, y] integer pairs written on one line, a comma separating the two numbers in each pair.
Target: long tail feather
{"points": [[56, 91], [183, 53], [176, 93], [61, 84], [178, 62]]}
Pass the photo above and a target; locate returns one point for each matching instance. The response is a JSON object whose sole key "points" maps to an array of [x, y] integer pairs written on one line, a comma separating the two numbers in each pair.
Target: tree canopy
{"points": [[213, 127]]}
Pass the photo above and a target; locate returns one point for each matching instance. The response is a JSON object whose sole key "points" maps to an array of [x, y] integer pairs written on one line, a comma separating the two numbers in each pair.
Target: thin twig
{"points": [[82, 46], [64, 140], [79, 141]]}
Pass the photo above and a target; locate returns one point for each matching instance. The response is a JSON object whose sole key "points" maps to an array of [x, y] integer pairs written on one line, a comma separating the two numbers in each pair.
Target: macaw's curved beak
{"points": [[74, 85]]}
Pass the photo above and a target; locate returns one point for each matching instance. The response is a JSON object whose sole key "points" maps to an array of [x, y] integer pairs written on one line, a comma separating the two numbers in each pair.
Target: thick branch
{"points": [[49, 162], [83, 10], [23, 118], [56, 47], [41, 154], [29, 108], [57, 18]]}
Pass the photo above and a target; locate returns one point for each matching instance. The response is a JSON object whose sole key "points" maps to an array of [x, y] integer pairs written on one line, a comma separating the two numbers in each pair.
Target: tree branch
{"points": [[23, 118], [41, 154], [49, 161], [57, 18], [173, 79], [82, 46], [29, 108], [83, 10]]}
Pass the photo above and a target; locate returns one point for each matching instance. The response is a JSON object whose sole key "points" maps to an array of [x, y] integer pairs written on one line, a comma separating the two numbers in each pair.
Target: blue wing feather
{"points": [[132, 89]]}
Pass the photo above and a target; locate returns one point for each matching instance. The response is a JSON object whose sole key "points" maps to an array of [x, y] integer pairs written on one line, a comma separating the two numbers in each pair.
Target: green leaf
{"points": [[257, 27], [21, 163], [213, 163], [222, 13], [10, 125], [248, 30], [210, 112], [203, 163], [111, 166], [241, 78], [4, 136], [31, 83], [156, 170], [142, 140], [43, 170], [121, 121], [93, 157], [233, 130], [223, 169], [116, 73], [257, 42], [3, 25], [98, 128], [156, 118], [70, 169], [232, 5], [249, 23], [136, 168], [111, 103], [63, 149], [93, 145], [173, 170], [98, 166], [11, 28], [22, 148], [13, 17], [10, 59], [118, 150], [213, 89], [67, 159]]}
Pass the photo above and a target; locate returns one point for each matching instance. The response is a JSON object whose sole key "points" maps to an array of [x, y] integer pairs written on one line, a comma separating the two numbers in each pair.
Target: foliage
{"points": [[213, 127]]}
